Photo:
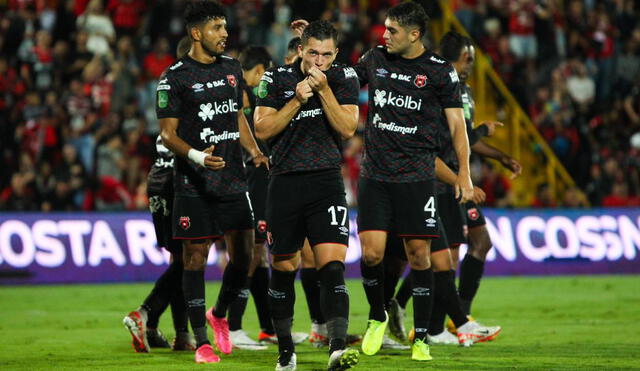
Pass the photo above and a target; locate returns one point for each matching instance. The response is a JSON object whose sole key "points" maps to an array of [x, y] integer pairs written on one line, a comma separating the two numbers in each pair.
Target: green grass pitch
{"points": [[550, 323]]}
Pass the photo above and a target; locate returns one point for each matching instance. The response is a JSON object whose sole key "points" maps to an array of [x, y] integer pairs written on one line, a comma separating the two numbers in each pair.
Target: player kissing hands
{"points": [[304, 91], [317, 79], [213, 162]]}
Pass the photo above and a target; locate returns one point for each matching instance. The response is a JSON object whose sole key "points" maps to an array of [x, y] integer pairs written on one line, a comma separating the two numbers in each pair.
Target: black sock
{"points": [[158, 300], [311, 286], [438, 314], [373, 282], [422, 293], [233, 280], [404, 292], [260, 292], [282, 297], [334, 298], [193, 288], [178, 304], [237, 308], [471, 270], [445, 282], [391, 279]]}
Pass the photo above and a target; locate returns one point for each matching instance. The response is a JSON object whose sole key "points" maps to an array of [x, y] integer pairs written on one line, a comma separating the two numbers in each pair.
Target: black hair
{"points": [[198, 12], [410, 14], [253, 55], [451, 45], [293, 44], [320, 30]]}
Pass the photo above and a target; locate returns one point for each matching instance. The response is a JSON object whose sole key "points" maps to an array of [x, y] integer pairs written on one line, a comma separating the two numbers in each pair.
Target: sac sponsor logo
{"points": [[383, 98]]}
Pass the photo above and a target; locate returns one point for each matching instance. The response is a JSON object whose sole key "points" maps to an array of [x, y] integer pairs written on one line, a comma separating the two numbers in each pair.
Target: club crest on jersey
{"points": [[232, 80], [262, 226], [473, 214], [185, 222], [420, 81]]}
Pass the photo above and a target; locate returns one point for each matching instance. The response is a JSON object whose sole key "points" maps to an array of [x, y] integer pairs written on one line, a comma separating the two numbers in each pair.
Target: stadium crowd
{"points": [[78, 79]]}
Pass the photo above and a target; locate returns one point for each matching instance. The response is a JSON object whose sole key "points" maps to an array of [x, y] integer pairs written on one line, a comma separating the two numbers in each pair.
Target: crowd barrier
{"points": [[121, 247]]}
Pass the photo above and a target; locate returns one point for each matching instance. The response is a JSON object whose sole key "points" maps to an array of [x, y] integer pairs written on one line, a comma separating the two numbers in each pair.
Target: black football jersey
{"points": [[308, 142], [406, 99], [160, 178], [248, 113], [206, 99]]}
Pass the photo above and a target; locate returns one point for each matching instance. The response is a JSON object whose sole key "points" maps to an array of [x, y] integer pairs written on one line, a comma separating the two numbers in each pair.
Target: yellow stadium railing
{"points": [[520, 138]]}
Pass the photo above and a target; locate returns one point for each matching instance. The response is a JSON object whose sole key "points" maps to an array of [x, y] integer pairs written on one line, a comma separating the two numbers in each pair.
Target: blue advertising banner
{"points": [[112, 247]]}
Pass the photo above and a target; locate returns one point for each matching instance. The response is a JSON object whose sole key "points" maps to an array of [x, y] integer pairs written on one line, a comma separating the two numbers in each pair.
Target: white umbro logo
{"points": [[197, 87], [431, 222]]}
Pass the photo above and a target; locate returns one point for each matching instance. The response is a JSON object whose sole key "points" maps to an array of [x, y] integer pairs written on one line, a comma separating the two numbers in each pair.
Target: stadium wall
{"points": [[121, 247]]}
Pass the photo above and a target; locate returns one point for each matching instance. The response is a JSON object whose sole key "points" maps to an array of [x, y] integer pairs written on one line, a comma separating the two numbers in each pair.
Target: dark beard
{"points": [[210, 51]]}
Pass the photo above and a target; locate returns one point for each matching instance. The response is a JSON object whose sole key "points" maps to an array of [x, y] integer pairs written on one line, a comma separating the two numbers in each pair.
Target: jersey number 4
{"points": [[334, 210], [430, 207]]}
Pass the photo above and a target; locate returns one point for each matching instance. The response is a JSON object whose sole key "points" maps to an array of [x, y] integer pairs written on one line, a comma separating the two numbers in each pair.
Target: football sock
{"points": [[471, 270], [178, 304], [193, 288], [260, 292], [334, 298], [391, 279], [237, 308], [282, 296], [373, 282], [311, 286], [422, 293], [158, 300], [233, 280], [404, 292]]}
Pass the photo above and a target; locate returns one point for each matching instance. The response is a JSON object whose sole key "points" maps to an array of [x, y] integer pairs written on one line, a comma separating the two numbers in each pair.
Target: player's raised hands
{"points": [[478, 195], [304, 91], [513, 165], [298, 26], [213, 162], [491, 126], [317, 79]]}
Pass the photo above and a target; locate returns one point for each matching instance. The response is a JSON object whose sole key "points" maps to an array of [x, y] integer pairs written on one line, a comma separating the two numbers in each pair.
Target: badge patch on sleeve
{"points": [[262, 89], [163, 99]]}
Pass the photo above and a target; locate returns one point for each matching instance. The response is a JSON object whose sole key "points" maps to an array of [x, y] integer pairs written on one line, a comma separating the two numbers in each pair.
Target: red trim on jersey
{"points": [[454, 245], [435, 252]]}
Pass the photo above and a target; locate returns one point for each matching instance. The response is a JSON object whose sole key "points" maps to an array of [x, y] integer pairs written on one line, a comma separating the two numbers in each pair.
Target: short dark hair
{"points": [[253, 55], [410, 14], [198, 12], [320, 30], [451, 45], [293, 44]]}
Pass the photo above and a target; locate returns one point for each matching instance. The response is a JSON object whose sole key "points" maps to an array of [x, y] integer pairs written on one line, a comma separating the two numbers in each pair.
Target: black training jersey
{"points": [[447, 152], [160, 178], [309, 142], [248, 113], [406, 99], [206, 99]]}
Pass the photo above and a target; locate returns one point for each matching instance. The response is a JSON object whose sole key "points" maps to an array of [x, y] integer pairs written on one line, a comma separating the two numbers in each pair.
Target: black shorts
{"points": [[160, 207], [474, 215], [306, 205], [442, 242], [208, 217], [258, 179], [453, 219], [408, 209]]}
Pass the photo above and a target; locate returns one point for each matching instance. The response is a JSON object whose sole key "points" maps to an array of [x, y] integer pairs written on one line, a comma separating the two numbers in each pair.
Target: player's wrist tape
{"points": [[197, 156]]}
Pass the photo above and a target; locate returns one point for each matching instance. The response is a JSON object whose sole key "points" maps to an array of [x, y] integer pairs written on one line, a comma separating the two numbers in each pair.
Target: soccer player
{"points": [[198, 103], [143, 322], [409, 87], [305, 110], [460, 51]]}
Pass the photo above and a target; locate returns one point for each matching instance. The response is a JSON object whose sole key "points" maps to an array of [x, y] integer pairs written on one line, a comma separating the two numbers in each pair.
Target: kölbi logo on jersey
{"points": [[207, 111], [401, 101]]}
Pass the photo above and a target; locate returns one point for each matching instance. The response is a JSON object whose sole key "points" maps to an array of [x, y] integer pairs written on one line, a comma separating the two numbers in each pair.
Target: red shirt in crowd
{"points": [[155, 64], [125, 14]]}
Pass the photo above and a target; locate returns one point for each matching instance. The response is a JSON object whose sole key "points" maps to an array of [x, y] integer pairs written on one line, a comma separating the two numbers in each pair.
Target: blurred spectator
{"points": [[98, 26], [574, 199], [495, 185], [619, 197], [544, 197]]}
